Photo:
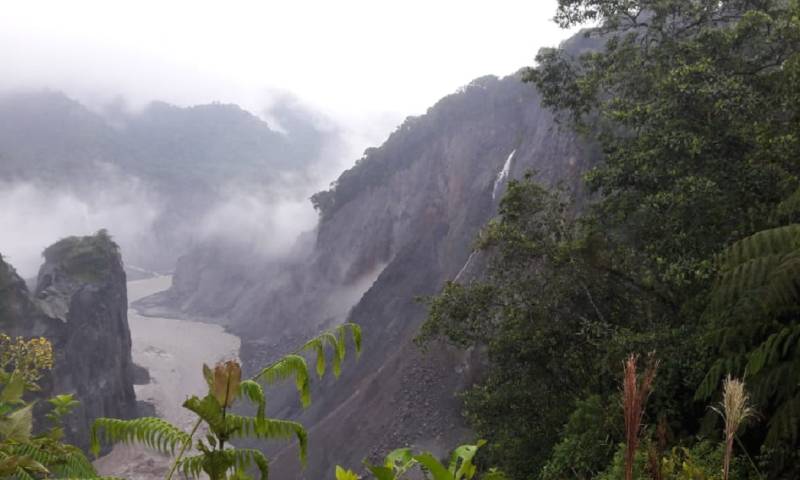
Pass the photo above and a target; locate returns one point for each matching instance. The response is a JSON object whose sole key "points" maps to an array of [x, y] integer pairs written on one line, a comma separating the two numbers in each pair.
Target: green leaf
{"points": [[290, 366], [381, 472], [434, 467], [152, 432], [17, 425], [13, 390], [342, 474]]}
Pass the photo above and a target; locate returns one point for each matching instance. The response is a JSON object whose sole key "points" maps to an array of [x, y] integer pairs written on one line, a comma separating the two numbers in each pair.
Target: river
{"points": [[173, 351]]}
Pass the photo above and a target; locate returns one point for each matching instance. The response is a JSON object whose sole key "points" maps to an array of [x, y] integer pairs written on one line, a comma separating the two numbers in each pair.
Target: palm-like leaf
{"points": [[240, 459], [155, 433], [290, 366], [267, 429], [252, 391], [66, 461], [754, 310]]}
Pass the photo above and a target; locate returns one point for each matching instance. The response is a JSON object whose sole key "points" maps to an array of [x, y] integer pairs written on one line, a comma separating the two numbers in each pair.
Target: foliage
{"points": [[87, 258], [754, 330], [215, 457], [588, 442], [696, 107], [555, 314], [399, 463], [24, 454]]}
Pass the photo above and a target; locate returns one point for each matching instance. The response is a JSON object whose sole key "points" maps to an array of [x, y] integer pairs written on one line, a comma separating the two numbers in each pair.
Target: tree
{"points": [[548, 311], [695, 104], [216, 457]]}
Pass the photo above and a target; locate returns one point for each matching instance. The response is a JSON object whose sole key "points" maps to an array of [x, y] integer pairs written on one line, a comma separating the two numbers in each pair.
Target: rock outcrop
{"points": [[80, 305]]}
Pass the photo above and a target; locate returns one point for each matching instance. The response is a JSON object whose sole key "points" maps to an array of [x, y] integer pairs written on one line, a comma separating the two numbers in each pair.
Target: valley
{"points": [[173, 352]]}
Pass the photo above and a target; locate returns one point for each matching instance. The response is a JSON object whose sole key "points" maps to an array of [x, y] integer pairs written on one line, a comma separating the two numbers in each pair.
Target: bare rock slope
{"points": [[393, 228]]}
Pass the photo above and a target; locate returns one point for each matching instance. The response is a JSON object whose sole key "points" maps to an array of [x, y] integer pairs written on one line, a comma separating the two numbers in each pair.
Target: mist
{"points": [[34, 216], [161, 180]]}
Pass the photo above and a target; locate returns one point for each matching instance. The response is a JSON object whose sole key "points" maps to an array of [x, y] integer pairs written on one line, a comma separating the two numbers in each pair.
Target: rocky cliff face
{"points": [[393, 228], [80, 305]]}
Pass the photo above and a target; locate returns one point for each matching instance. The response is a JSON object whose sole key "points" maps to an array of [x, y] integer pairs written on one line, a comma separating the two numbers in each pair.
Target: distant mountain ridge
{"points": [[185, 160]]}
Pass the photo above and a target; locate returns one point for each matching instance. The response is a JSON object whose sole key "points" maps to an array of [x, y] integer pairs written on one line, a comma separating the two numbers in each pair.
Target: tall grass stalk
{"points": [[634, 396], [734, 410]]}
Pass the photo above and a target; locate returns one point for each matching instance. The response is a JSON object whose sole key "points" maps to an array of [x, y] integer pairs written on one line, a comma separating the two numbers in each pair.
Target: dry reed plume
{"points": [[634, 396], [734, 410]]}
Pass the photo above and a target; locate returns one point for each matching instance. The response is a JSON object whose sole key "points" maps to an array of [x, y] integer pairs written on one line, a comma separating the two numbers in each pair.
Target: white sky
{"points": [[362, 62]]}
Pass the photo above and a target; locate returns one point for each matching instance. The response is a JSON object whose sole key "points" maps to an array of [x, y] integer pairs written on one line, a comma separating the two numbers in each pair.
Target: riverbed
{"points": [[173, 351]]}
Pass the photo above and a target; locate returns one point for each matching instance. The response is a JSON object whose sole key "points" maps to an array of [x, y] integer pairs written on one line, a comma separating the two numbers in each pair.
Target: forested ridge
{"points": [[687, 254]]}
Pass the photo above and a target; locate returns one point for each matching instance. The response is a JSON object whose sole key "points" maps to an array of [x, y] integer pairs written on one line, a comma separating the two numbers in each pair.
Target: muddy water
{"points": [[173, 351]]}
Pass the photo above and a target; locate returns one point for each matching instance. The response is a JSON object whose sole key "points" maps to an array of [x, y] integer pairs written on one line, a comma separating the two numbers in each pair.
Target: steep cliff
{"points": [[80, 305], [393, 228]]}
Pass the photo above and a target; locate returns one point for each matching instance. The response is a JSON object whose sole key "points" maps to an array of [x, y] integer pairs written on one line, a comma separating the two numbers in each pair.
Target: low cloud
{"points": [[34, 217], [257, 222]]}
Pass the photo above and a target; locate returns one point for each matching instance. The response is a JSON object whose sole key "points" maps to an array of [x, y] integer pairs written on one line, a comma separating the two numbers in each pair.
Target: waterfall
{"points": [[502, 175]]}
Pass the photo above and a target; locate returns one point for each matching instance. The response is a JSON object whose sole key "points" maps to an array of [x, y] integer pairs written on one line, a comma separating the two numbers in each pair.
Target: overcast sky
{"points": [[361, 62]]}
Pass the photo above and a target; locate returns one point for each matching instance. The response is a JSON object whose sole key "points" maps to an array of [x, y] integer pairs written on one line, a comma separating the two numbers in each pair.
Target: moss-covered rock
{"points": [[89, 259]]}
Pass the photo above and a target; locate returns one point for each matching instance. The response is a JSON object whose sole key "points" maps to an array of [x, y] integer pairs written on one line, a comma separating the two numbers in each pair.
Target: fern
{"points": [[336, 341], [267, 429], [287, 367], [251, 390], [754, 308], [238, 460], [225, 387], [153, 432], [295, 365], [64, 462], [764, 266]]}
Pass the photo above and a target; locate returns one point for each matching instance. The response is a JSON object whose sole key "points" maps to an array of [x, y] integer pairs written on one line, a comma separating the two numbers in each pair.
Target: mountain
{"points": [[392, 229], [79, 304], [165, 166]]}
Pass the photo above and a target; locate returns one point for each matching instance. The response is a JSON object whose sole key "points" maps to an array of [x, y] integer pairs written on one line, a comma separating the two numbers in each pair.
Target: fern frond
{"points": [[238, 426], [152, 432], [68, 462], [285, 368], [774, 241], [777, 347], [192, 467], [244, 458], [718, 370], [255, 393], [335, 340], [785, 423], [355, 332], [239, 460], [318, 343], [22, 474]]}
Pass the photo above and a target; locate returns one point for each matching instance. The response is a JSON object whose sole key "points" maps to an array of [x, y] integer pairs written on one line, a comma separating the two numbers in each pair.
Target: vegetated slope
{"points": [[180, 162], [393, 228], [79, 304]]}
